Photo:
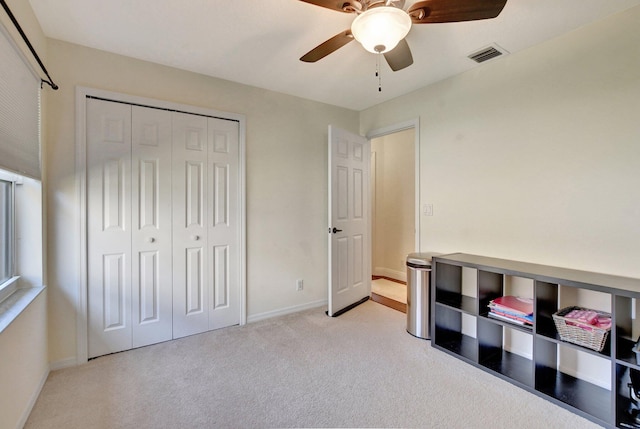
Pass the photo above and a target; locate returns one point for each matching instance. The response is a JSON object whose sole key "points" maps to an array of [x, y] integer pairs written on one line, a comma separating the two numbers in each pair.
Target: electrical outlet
{"points": [[299, 284]]}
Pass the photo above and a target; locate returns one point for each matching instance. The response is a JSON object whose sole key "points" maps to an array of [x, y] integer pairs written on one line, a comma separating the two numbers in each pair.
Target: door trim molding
{"points": [[82, 320], [415, 124]]}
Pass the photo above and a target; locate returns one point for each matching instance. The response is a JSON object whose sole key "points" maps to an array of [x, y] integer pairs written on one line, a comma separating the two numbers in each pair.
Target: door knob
{"points": [[196, 237], [334, 230], [151, 240]]}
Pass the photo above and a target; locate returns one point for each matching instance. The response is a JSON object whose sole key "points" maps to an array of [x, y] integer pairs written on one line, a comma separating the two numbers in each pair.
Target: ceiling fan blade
{"points": [[347, 6], [437, 11], [324, 49], [399, 57]]}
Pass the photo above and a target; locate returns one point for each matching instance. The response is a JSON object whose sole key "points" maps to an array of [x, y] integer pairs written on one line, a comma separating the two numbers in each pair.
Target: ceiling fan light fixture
{"points": [[380, 29]]}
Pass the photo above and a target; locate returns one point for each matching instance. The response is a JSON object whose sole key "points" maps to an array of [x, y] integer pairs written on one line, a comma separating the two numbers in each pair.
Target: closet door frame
{"points": [[82, 350]]}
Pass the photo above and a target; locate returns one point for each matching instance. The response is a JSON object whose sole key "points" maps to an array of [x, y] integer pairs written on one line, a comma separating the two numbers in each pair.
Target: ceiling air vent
{"points": [[486, 54]]}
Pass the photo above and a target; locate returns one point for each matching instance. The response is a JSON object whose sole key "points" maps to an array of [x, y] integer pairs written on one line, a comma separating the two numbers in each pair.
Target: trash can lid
{"points": [[422, 259]]}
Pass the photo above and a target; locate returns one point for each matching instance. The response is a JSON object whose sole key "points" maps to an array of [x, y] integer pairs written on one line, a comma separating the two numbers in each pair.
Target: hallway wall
{"points": [[393, 217]]}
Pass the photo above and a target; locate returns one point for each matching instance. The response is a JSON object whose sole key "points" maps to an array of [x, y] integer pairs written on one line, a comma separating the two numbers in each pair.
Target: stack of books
{"points": [[512, 309]]}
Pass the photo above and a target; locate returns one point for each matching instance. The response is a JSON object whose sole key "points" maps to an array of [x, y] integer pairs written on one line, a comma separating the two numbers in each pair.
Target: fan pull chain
{"points": [[378, 74]]}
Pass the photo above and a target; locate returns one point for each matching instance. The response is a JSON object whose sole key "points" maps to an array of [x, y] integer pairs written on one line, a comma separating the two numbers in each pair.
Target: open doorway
{"points": [[394, 215]]}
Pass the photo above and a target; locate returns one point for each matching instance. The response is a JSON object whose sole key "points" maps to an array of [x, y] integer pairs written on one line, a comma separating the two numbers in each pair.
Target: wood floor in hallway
{"points": [[391, 293]]}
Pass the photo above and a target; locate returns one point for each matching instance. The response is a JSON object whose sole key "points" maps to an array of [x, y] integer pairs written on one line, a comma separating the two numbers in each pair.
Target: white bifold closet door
{"points": [[205, 224], [129, 226], [151, 247], [162, 224]]}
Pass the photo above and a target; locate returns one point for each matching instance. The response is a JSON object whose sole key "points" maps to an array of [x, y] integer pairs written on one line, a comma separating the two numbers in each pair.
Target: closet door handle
{"points": [[151, 240], [195, 237], [334, 230]]}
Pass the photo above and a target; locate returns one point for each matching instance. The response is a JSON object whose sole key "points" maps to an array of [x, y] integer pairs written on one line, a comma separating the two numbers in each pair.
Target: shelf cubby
{"points": [[450, 290], [585, 396], [465, 303], [626, 408], [625, 340], [623, 417], [545, 305], [453, 335], [490, 287], [449, 278], [588, 398], [499, 354], [591, 383]]}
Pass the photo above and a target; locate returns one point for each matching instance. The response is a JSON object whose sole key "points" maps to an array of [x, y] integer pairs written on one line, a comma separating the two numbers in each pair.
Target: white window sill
{"points": [[8, 287], [16, 303]]}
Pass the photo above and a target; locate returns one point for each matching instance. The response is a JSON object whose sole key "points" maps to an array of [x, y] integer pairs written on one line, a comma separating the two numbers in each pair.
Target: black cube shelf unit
{"points": [[535, 359]]}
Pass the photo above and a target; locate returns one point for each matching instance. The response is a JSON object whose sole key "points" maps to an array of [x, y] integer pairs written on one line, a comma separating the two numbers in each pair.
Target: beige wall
{"points": [[535, 156], [23, 353], [286, 180], [394, 203]]}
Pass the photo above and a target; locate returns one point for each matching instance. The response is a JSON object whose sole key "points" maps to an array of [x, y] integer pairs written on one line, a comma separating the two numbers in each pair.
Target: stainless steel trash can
{"points": [[418, 294]]}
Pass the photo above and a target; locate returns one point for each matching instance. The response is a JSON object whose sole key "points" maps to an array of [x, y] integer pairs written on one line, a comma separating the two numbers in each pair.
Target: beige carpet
{"points": [[361, 369]]}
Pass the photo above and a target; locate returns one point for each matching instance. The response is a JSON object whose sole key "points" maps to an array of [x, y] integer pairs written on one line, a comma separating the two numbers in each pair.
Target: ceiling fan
{"points": [[381, 25]]}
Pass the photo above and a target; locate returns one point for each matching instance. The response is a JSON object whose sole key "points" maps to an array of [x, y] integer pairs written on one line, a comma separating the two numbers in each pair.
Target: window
{"points": [[6, 238], [21, 257], [19, 149]]}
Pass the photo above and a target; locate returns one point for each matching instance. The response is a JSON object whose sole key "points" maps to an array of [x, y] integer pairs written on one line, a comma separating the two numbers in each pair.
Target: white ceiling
{"points": [[259, 42]]}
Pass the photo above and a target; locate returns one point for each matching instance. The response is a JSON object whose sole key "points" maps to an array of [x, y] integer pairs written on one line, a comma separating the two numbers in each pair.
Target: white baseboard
{"points": [[62, 364], [287, 310], [69, 362], [32, 400], [387, 272]]}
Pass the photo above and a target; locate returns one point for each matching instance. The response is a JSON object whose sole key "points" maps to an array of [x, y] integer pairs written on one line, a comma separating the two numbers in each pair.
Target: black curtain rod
{"points": [[33, 51]]}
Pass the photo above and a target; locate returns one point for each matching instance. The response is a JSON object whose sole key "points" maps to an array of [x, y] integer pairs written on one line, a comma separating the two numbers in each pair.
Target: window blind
{"points": [[19, 111]]}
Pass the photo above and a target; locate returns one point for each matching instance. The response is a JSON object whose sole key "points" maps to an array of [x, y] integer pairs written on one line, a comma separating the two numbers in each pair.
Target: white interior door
{"points": [[109, 226], [207, 224], [151, 300], [349, 221], [129, 226], [190, 211], [224, 223]]}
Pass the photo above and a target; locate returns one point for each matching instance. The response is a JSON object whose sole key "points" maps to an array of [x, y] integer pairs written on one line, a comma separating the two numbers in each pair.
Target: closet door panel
{"points": [[190, 211], [163, 225], [152, 305], [109, 226], [224, 223]]}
